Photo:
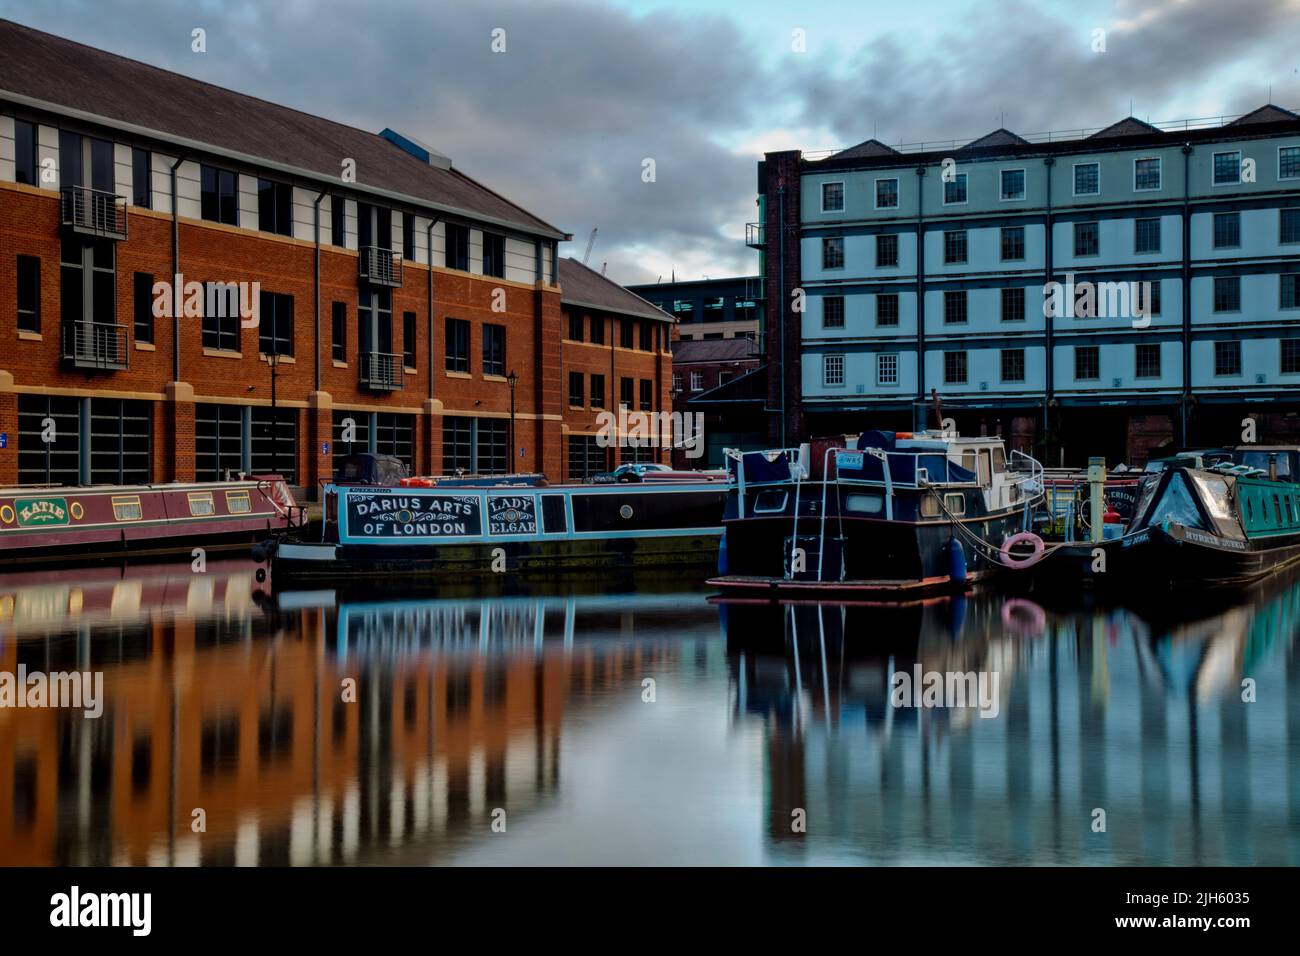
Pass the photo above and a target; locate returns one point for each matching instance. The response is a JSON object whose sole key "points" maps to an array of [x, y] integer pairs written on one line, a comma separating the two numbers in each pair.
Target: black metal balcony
{"points": [[380, 266], [96, 345], [93, 212], [755, 289], [754, 235], [382, 372]]}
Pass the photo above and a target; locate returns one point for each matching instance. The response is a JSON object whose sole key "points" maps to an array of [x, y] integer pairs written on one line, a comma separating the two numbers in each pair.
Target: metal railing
{"points": [[755, 235], [100, 345], [755, 288], [380, 266], [382, 371], [93, 212]]}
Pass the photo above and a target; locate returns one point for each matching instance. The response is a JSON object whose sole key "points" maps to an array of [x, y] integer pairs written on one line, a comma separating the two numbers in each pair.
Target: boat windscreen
{"points": [[1177, 505], [1259, 459], [1216, 495]]}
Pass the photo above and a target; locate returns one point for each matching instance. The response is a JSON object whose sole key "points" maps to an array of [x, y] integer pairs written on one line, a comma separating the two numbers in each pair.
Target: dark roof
{"points": [[749, 388], [586, 287], [999, 137], [52, 70], [693, 351], [872, 147], [1265, 114], [1128, 126]]}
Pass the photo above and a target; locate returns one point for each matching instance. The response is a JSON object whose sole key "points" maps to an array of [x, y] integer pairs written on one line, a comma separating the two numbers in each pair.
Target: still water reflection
{"points": [[223, 698]]}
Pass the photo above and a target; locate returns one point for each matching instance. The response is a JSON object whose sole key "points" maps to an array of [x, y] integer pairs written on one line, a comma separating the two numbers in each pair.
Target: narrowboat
{"points": [[889, 513], [464, 528], [58, 524], [1213, 519]]}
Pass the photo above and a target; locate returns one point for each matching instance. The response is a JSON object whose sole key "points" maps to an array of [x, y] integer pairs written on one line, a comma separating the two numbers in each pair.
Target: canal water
{"points": [[648, 725]]}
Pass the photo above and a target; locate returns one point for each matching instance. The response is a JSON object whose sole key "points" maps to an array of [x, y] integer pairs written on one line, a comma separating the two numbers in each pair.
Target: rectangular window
{"points": [[627, 390], [1149, 297], [141, 178], [954, 307], [275, 207], [408, 339], [120, 432], [886, 250], [1288, 162], [25, 165], [598, 391], [1013, 243], [1013, 365], [1227, 168], [45, 462], [597, 330], [1147, 360], [494, 349], [408, 236], [1227, 358], [954, 246], [586, 458], [697, 381], [1290, 356], [339, 329], [338, 221], [647, 394], [647, 336], [1087, 363], [954, 368], [887, 309], [626, 334], [1227, 294], [1289, 293], [677, 381], [886, 193], [275, 324], [575, 326], [954, 190], [142, 306], [1146, 174], [1289, 226], [29, 294], [887, 368], [219, 195], [494, 255], [456, 254], [832, 371], [832, 197], [1013, 304], [576, 397], [833, 252], [1086, 239], [1013, 184], [1146, 235], [833, 312], [221, 316], [218, 441], [127, 508], [1227, 230], [273, 441], [1087, 179], [457, 345]]}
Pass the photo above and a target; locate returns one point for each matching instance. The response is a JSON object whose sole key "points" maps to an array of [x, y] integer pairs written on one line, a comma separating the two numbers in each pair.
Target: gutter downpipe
{"points": [[428, 246], [316, 281], [176, 271], [1186, 296]]}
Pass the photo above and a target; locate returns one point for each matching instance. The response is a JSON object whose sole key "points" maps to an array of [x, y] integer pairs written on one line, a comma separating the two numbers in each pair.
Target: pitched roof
{"points": [[47, 70], [586, 287], [999, 137], [872, 147], [1265, 114], [692, 351], [1128, 126]]}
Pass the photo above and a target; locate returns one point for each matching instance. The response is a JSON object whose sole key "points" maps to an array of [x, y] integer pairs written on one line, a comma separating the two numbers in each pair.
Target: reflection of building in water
{"points": [[459, 711], [1098, 709]]}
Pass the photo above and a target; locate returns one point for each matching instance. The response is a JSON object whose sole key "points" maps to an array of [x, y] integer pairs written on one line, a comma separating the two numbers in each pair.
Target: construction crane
{"points": [[591, 241]]}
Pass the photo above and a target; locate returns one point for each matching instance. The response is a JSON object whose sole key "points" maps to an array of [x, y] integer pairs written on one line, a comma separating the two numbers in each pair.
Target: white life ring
{"points": [[1024, 537]]}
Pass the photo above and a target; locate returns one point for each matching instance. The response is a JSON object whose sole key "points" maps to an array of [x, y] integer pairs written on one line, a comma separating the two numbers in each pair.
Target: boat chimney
{"points": [[1096, 498], [1272, 466]]}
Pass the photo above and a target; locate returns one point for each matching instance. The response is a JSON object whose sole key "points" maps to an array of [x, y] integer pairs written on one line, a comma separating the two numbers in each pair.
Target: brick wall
{"points": [[781, 191]]}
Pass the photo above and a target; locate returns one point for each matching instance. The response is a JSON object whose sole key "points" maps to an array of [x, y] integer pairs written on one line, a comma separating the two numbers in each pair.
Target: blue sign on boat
{"points": [[849, 459]]}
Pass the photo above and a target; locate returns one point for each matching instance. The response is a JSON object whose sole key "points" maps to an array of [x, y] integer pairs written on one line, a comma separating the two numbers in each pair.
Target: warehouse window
{"points": [[494, 255], [456, 254], [494, 349], [274, 441], [49, 445], [338, 221], [351, 435], [218, 441], [586, 457], [29, 294], [576, 382], [598, 391], [141, 178], [142, 306], [275, 207], [408, 339], [457, 345], [120, 433], [25, 165], [395, 435], [218, 195], [221, 316], [275, 324], [339, 330]]}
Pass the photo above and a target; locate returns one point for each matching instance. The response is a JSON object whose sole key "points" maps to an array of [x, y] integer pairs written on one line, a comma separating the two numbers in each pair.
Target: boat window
{"points": [[956, 504], [929, 507], [1290, 518], [1214, 492], [1177, 505], [1145, 494], [554, 517], [1259, 459], [1277, 509], [201, 504], [968, 461], [238, 502], [986, 468], [769, 502], [865, 503], [1250, 508], [127, 508], [999, 459]]}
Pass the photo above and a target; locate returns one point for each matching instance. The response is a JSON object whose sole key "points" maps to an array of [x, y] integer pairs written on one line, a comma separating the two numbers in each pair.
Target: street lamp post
{"points": [[512, 380], [273, 360]]}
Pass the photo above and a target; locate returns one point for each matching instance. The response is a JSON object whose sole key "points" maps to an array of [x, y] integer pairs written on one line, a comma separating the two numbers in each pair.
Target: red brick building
{"points": [[407, 308]]}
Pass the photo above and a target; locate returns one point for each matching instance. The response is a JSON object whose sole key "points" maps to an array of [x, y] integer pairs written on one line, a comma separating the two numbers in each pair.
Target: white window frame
{"points": [[1160, 169], [880, 378], [833, 182], [844, 254], [943, 189], [1160, 236], [875, 192], [1280, 177], [697, 381], [1024, 184], [944, 367], [1074, 178], [826, 367], [1226, 152]]}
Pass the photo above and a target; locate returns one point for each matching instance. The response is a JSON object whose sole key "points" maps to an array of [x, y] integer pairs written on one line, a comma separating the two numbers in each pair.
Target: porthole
{"points": [[625, 512]]}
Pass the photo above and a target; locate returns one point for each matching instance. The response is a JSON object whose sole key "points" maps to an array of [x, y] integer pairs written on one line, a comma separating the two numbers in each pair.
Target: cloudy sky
{"points": [[586, 90]]}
